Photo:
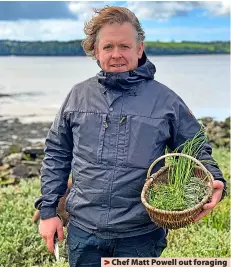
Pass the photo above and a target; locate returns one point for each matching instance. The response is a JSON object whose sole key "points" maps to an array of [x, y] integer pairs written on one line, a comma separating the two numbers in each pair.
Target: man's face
{"points": [[117, 49]]}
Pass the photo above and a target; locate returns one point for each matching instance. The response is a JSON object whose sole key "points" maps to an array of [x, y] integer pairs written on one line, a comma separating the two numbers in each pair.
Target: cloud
{"points": [[17, 10], [159, 10], [83, 10], [144, 10], [65, 20], [218, 8], [65, 30], [44, 30]]}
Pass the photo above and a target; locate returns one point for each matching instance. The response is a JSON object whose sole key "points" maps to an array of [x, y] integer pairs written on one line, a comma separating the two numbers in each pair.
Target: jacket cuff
{"points": [[47, 212]]}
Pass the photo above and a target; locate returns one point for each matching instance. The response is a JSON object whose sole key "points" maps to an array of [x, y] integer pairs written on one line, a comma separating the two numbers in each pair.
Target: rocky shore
{"points": [[22, 145], [21, 149]]}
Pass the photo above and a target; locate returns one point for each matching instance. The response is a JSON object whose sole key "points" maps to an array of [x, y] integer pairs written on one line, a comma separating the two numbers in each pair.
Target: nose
{"points": [[116, 54]]}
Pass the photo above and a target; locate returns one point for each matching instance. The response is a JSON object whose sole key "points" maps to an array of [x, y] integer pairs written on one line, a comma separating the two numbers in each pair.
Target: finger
{"points": [[50, 243], [218, 184], [60, 234], [215, 199], [210, 205], [202, 214]]}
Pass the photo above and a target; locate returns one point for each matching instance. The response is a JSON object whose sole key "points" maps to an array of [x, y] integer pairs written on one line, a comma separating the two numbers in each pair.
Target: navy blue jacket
{"points": [[108, 131]]}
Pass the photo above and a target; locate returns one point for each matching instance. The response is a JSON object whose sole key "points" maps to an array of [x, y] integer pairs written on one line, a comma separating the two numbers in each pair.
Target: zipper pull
{"points": [[123, 119]]}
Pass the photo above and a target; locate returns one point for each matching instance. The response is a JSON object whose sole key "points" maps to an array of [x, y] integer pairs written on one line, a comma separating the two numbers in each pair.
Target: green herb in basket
{"points": [[183, 190]]}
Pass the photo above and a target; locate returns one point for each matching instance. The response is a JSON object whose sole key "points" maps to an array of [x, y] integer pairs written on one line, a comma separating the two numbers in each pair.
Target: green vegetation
{"points": [[21, 244], [185, 47], [211, 236], [74, 48], [183, 190]]}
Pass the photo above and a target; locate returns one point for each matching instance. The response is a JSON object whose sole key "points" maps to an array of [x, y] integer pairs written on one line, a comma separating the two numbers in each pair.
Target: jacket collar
{"points": [[128, 79]]}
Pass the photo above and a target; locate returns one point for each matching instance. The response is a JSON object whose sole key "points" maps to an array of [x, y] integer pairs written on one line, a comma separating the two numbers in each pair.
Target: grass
{"points": [[167, 197], [211, 236], [183, 190], [21, 244]]}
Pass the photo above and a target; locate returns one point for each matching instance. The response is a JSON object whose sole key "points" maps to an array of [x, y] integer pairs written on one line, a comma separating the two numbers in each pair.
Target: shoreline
{"points": [[27, 130], [22, 146], [29, 113]]}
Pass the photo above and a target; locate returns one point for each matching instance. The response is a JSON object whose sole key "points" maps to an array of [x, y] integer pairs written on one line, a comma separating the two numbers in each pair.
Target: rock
{"points": [[37, 163], [34, 172], [24, 171], [20, 171], [4, 174], [33, 151], [13, 131], [4, 167], [34, 167], [218, 132], [5, 95], [206, 120], [4, 148], [13, 159], [14, 148]]}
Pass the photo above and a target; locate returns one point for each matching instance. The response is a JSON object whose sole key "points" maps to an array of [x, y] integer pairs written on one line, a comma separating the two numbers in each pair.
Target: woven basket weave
{"points": [[174, 219]]}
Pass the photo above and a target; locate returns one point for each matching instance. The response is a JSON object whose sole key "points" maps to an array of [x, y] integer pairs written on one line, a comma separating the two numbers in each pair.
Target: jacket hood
{"points": [[128, 79]]}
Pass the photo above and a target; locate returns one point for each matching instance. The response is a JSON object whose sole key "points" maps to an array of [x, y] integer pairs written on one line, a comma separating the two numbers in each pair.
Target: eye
{"points": [[107, 47], [124, 46]]}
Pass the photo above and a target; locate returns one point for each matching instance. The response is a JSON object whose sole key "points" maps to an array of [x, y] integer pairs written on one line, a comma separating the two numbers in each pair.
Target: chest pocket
{"points": [[146, 140], [88, 132]]}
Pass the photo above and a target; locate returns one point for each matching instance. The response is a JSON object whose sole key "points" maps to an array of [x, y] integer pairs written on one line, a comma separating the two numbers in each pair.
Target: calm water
{"points": [[40, 84]]}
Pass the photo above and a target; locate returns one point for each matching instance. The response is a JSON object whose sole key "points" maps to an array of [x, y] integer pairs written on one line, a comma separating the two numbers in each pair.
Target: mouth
{"points": [[117, 65]]}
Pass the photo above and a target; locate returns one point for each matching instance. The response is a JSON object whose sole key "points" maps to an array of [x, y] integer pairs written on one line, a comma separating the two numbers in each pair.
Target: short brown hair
{"points": [[108, 15]]}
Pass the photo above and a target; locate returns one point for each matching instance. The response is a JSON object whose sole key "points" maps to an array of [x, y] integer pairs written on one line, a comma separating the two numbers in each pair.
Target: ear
{"points": [[96, 51], [140, 50]]}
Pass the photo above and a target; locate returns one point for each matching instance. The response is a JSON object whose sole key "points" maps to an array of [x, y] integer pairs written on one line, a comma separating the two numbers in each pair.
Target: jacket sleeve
{"points": [[56, 165], [183, 126]]}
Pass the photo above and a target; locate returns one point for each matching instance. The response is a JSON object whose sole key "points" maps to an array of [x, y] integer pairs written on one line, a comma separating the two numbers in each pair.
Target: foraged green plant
{"points": [[184, 190]]}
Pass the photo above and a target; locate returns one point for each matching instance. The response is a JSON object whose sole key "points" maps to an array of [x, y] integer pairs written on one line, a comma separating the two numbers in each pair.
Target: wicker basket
{"points": [[174, 219]]}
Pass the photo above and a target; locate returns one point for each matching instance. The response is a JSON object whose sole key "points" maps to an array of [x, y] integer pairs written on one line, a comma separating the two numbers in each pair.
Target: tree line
{"points": [[74, 48]]}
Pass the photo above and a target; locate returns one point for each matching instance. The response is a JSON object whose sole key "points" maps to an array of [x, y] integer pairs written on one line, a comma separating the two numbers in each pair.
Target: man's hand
{"points": [[47, 229], [218, 187]]}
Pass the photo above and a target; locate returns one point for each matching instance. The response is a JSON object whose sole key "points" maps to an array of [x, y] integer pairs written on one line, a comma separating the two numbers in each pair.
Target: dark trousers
{"points": [[86, 249]]}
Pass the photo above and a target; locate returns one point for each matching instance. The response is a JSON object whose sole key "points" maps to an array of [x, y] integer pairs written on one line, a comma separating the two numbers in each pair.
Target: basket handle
{"points": [[178, 154]]}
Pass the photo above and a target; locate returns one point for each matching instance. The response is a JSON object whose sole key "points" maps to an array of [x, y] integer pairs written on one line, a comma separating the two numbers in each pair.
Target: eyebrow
{"points": [[111, 43]]}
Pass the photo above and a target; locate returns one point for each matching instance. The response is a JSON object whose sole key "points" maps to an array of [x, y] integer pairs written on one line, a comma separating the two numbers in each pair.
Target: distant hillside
{"points": [[74, 48]]}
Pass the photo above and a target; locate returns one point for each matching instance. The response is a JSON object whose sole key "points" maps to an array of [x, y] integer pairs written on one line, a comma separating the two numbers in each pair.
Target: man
{"points": [[108, 131]]}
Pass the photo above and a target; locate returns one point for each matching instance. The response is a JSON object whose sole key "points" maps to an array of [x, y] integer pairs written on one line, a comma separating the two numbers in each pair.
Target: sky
{"points": [[161, 20]]}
